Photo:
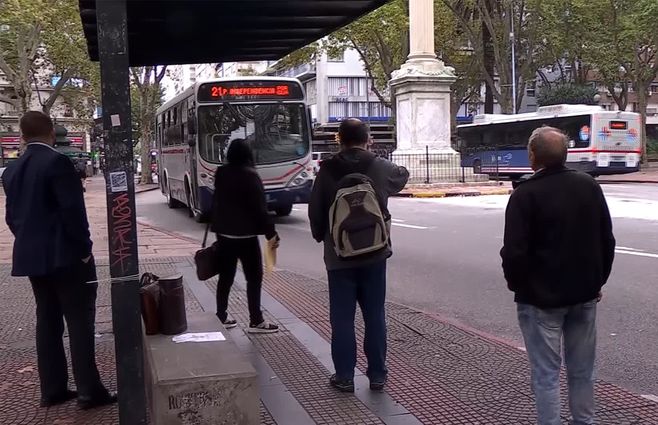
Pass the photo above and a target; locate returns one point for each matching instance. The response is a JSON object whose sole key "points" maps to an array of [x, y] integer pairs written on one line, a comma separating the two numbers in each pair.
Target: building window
{"points": [[336, 57]]}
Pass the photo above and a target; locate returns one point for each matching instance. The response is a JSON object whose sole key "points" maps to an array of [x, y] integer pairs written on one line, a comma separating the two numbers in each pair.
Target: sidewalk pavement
{"points": [[444, 190], [648, 175], [440, 371]]}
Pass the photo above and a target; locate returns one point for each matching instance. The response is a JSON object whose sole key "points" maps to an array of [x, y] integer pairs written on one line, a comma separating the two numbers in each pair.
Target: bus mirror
{"points": [[191, 141]]}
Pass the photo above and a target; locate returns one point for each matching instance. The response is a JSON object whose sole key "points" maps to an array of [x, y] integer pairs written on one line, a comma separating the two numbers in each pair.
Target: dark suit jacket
{"points": [[45, 212], [559, 245]]}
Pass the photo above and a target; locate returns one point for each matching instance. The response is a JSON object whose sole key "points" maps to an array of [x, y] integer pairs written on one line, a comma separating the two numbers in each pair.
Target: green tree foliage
{"points": [[146, 96], [41, 39], [624, 49], [566, 93]]}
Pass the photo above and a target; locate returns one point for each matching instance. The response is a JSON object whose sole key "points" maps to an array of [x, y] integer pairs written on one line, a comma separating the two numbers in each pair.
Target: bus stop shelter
{"points": [[125, 33]]}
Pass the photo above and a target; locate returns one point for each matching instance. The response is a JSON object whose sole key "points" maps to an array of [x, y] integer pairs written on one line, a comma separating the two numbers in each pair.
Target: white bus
{"points": [[601, 142], [193, 131]]}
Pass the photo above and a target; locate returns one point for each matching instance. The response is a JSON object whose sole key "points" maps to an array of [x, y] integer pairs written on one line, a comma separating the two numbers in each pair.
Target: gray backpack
{"points": [[358, 221]]}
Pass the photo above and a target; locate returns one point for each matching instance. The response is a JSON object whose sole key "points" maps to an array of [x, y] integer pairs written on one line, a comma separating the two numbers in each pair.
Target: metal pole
{"points": [[122, 228], [513, 41], [427, 164], [368, 100]]}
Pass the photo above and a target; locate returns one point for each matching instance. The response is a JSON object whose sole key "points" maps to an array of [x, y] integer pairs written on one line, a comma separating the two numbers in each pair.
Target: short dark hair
{"points": [[549, 145], [35, 125], [353, 132], [239, 153]]}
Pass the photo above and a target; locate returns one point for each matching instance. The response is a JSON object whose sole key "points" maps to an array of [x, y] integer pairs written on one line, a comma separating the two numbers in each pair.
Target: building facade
{"points": [[62, 113], [338, 87]]}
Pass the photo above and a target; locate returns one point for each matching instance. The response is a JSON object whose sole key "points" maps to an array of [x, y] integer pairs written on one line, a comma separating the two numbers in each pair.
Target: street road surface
{"points": [[446, 262]]}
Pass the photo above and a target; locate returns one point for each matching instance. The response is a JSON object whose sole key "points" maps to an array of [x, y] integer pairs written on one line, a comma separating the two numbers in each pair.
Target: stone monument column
{"points": [[422, 95]]}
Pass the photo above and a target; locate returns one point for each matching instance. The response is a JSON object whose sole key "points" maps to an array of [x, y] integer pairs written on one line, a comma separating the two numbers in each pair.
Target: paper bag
{"points": [[270, 254]]}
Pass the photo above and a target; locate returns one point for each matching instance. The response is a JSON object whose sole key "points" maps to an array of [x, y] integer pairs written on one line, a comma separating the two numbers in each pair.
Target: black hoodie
{"points": [[559, 247], [388, 180]]}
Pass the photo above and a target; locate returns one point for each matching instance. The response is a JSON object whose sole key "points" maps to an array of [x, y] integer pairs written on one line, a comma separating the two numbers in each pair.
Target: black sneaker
{"points": [[342, 385], [263, 328], [92, 403], [58, 398], [377, 384], [229, 323]]}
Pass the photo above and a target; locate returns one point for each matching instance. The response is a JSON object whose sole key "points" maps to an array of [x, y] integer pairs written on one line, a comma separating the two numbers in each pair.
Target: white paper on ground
{"points": [[199, 337]]}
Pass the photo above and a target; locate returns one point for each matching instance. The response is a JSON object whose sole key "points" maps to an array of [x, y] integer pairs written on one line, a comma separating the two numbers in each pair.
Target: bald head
{"points": [[352, 133], [547, 148]]}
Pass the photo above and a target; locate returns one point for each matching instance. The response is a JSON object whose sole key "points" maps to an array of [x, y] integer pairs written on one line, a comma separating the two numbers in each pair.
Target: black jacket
{"points": [[45, 212], [239, 206], [388, 179], [559, 247]]}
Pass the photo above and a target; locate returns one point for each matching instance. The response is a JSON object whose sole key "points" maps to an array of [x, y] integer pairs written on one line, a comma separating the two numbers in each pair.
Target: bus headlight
{"points": [[299, 179]]}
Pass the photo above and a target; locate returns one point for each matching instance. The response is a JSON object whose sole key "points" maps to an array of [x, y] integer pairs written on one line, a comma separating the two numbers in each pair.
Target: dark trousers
{"points": [[66, 295], [249, 254], [367, 287]]}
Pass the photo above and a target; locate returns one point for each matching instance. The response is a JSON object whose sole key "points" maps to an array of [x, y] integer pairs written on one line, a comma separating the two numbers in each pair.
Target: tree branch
{"points": [[161, 74], [57, 91], [368, 68]]}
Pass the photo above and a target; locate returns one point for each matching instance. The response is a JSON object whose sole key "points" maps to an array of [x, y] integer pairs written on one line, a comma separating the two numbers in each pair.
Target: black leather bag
{"points": [[206, 259]]}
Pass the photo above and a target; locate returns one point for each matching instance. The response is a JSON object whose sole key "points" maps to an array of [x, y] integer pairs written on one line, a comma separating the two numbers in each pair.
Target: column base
{"points": [[441, 165]]}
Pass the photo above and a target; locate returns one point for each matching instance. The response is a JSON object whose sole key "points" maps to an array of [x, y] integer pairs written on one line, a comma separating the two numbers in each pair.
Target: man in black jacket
{"points": [[557, 255], [360, 279], [46, 214]]}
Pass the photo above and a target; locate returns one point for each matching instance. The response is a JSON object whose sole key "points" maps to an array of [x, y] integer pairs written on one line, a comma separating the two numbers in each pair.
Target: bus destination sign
{"points": [[249, 90]]}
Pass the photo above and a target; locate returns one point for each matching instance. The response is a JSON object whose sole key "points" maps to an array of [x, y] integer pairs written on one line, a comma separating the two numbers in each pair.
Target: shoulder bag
{"points": [[206, 259]]}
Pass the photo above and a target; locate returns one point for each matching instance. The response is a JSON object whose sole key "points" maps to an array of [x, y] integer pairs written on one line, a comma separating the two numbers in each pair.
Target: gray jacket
{"points": [[388, 180]]}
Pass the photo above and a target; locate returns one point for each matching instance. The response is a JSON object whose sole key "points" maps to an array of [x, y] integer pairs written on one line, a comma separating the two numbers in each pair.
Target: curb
{"points": [[145, 189], [626, 182], [452, 194]]}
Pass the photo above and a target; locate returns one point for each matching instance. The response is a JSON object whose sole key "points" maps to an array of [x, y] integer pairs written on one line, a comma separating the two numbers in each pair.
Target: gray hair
{"points": [[549, 145]]}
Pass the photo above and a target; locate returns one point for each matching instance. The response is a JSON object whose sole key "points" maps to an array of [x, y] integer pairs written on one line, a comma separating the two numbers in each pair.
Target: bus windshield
{"points": [[276, 132]]}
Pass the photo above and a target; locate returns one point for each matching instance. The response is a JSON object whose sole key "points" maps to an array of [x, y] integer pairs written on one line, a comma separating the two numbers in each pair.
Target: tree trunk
{"points": [[489, 63], [145, 142]]}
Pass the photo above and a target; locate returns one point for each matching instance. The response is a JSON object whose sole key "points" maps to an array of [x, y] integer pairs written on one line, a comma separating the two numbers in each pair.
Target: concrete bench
{"points": [[204, 383]]}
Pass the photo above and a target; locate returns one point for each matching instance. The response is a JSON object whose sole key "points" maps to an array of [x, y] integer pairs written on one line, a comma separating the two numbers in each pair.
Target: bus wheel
{"points": [[190, 205], [477, 166], [171, 202], [283, 211]]}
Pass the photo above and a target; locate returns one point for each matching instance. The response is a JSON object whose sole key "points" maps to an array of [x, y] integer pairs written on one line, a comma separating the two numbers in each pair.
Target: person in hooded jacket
{"points": [[239, 215], [359, 280]]}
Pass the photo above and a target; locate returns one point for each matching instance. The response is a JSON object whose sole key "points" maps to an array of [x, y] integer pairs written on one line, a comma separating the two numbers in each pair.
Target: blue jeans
{"points": [[543, 331], [347, 287]]}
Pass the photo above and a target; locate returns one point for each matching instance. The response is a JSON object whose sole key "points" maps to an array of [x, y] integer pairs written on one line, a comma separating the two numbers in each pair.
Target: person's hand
{"points": [[599, 297], [275, 241]]}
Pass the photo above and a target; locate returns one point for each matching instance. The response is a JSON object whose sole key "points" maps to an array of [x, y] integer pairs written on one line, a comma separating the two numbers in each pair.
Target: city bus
{"points": [[600, 142], [194, 129]]}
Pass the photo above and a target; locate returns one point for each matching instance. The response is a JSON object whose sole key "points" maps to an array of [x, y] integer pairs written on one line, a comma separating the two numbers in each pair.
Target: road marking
{"points": [[625, 248], [410, 226], [636, 253], [397, 220], [292, 226], [651, 397]]}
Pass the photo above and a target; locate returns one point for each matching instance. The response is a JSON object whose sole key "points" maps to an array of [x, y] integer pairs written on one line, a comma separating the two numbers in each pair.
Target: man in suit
{"points": [[46, 213], [558, 254]]}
